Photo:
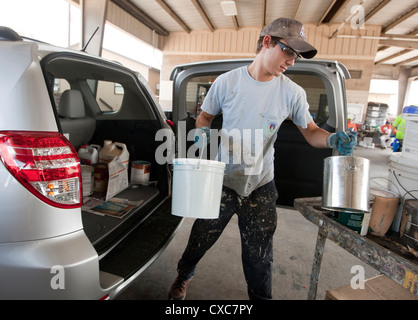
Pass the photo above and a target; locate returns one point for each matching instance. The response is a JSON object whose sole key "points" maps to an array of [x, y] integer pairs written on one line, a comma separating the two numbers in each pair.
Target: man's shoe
{"points": [[178, 289]]}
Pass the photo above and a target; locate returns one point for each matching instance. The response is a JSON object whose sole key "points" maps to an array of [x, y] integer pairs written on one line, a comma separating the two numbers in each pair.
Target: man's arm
{"points": [[314, 135], [204, 120]]}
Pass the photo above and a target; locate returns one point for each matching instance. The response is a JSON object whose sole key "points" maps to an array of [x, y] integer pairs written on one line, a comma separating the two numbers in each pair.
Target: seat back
{"points": [[78, 127]]}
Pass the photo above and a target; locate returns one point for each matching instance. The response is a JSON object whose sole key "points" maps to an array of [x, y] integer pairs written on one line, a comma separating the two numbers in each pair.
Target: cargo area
{"points": [[107, 106]]}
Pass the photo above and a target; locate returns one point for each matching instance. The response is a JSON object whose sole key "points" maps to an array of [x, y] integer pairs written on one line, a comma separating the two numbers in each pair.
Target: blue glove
{"points": [[343, 142], [201, 137]]}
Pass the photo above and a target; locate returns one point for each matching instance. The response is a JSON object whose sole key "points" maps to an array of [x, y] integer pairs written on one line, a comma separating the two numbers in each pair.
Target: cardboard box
{"points": [[378, 288]]}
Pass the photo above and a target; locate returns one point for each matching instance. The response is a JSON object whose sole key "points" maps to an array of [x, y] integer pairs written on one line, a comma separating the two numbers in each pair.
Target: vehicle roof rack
{"points": [[7, 34]]}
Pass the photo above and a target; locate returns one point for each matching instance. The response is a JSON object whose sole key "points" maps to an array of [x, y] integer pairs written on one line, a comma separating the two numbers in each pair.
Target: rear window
{"points": [[316, 95], [198, 87], [109, 95]]}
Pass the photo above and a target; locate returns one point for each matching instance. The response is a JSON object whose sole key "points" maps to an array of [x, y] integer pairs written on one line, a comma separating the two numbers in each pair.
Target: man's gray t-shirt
{"points": [[252, 114]]}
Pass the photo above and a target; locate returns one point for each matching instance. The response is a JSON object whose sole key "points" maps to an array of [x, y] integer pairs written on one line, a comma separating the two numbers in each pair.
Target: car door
{"points": [[298, 166]]}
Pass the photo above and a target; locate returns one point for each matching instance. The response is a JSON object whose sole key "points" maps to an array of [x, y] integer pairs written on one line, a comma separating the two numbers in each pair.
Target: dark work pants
{"points": [[257, 221]]}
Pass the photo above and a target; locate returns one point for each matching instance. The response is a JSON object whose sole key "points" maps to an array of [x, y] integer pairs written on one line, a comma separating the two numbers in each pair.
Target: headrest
{"points": [[71, 104]]}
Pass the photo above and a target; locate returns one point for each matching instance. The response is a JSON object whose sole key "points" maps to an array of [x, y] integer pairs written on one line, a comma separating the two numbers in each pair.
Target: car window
{"points": [[197, 89], [316, 94], [60, 85], [109, 95]]}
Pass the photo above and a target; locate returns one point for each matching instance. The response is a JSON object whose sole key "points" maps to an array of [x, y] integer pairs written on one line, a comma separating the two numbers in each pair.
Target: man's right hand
{"points": [[202, 137]]}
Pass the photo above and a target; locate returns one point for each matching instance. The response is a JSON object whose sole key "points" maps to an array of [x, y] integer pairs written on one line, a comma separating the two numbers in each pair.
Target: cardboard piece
{"points": [[378, 288]]}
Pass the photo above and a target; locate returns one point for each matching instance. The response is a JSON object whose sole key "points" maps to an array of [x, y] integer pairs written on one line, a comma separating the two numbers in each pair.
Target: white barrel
{"points": [[197, 188], [403, 172]]}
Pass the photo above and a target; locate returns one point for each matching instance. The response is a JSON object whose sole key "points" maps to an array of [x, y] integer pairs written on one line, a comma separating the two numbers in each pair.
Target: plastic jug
{"points": [[88, 155], [112, 150]]}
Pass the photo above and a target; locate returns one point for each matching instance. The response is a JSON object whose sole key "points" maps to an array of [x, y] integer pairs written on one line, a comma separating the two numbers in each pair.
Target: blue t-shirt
{"points": [[252, 114]]}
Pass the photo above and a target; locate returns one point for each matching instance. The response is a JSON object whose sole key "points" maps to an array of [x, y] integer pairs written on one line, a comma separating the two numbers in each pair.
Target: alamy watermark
{"points": [[357, 17], [357, 281], [58, 279], [236, 146]]}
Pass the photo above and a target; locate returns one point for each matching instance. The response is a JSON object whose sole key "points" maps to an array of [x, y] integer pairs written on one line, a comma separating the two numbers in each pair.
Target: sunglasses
{"points": [[289, 52]]}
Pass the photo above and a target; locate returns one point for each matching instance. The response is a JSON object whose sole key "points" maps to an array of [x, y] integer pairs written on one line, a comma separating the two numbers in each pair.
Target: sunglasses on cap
{"points": [[288, 51]]}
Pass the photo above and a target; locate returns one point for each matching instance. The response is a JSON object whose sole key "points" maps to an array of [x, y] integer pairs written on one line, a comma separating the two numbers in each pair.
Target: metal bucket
{"points": [[346, 184]]}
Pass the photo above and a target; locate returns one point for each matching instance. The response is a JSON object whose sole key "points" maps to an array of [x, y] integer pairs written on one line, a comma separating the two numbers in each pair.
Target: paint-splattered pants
{"points": [[257, 222]]}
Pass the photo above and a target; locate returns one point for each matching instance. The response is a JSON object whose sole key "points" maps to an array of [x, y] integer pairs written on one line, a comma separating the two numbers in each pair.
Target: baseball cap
{"points": [[293, 32]]}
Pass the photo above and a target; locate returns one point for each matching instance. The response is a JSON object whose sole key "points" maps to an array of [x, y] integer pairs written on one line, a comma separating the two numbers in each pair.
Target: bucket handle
{"points": [[399, 193], [205, 139], [406, 191], [96, 146]]}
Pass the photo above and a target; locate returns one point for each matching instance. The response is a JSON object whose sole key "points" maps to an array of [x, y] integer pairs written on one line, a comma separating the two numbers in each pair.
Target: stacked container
{"points": [[403, 168]]}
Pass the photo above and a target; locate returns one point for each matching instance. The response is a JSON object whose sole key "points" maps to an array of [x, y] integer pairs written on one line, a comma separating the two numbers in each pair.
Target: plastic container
{"points": [[403, 172], [87, 178], [384, 208], [88, 155], [410, 142], [111, 150], [197, 188]]}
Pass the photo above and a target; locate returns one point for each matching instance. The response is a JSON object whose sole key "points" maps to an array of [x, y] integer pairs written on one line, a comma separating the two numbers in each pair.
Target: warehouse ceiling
{"points": [[398, 18]]}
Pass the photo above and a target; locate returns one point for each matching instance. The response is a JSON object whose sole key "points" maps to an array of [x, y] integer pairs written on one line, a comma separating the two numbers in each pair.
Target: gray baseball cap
{"points": [[293, 32]]}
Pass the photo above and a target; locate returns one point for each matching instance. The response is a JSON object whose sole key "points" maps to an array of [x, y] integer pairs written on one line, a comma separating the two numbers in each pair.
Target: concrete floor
{"points": [[219, 275]]}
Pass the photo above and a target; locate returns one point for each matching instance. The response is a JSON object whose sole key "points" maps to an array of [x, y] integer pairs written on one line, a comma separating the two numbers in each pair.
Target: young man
{"points": [[257, 98]]}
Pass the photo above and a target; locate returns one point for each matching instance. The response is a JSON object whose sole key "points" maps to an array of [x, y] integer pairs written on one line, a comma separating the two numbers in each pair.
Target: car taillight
{"points": [[45, 163]]}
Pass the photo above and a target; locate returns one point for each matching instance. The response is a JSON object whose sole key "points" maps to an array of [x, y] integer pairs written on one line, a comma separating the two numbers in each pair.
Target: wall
{"points": [[355, 53], [150, 74]]}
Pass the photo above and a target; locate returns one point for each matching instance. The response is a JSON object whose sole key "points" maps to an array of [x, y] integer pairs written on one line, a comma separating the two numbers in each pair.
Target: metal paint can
{"points": [[346, 184], [101, 177], [140, 172], [87, 179]]}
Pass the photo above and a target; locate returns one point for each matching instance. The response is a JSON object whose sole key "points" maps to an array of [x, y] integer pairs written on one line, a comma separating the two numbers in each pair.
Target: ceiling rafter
{"points": [[153, 14], [174, 15], [393, 56], [412, 33], [406, 61], [142, 17], [295, 12], [333, 11], [203, 14], [263, 12], [401, 19], [378, 8]]}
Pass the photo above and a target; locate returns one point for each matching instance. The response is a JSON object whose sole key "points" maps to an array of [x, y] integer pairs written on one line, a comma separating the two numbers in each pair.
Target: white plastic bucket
{"points": [[197, 188], [403, 172]]}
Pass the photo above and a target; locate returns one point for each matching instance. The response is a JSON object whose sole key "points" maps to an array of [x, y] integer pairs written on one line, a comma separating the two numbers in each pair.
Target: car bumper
{"points": [[65, 267]]}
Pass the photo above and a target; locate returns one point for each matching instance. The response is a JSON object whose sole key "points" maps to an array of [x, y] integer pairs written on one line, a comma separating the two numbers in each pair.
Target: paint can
{"points": [[346, 184], [140, 172], [197, 188], [101, 177], [409, 223], [384, 208]]}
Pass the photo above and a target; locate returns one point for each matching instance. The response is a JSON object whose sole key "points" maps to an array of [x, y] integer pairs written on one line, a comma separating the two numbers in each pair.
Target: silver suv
{"points": [[54, 101]]}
